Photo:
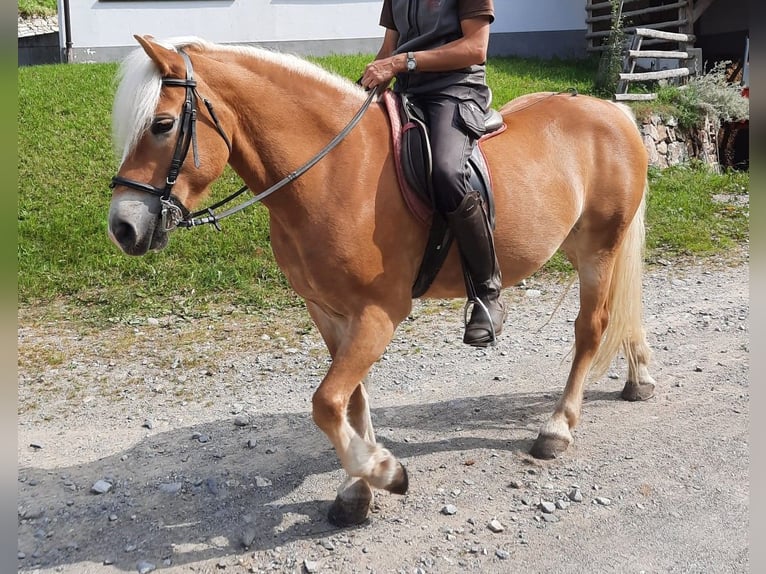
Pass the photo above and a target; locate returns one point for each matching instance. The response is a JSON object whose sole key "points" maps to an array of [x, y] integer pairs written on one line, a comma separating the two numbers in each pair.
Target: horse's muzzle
{"points": [[134, 225]]}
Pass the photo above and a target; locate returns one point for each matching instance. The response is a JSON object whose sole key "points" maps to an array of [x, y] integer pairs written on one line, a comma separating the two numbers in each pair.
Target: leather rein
{"points": [[174, 213]]}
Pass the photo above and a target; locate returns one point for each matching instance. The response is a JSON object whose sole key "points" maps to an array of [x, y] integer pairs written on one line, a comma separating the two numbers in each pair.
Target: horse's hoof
{"points": [[401, 482], [353, 508], [637, 391], [548, 447]]}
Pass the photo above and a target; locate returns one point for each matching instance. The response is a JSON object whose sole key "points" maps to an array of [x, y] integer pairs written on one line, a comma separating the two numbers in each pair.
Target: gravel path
{"points": [[182, 446]]}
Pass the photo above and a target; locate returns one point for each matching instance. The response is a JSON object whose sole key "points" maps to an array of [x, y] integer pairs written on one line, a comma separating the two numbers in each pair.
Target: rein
{"points": [[194, 220], [174, 213]]}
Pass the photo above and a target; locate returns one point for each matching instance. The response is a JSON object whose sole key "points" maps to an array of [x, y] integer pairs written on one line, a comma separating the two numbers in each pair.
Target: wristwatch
{"points": [[411, 62]]}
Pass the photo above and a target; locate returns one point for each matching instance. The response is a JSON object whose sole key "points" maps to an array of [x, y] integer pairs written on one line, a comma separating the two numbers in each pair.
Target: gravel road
{"points": [[199, 436]]}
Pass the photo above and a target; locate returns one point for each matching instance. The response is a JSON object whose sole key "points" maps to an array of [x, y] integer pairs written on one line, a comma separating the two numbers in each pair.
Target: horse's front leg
{"points": [[341, 410]]}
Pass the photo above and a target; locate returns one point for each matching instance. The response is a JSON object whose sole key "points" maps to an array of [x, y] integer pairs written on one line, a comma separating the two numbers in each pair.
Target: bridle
{"points": [[173, 212]]}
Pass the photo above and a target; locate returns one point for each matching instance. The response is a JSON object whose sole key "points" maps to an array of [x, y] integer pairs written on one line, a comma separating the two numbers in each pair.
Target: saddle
{"points": [[412, 153]]}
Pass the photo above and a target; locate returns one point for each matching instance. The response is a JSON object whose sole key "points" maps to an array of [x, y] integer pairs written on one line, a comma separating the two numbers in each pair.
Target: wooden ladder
{"points": [[635, 53]]}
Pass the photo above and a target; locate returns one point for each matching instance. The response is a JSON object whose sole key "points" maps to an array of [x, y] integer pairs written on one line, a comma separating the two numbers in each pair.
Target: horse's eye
{"points": [[162, 125]]}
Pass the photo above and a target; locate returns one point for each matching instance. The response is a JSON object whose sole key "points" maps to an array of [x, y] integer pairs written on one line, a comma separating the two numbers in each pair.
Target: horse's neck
{"points": [[282, 119]]}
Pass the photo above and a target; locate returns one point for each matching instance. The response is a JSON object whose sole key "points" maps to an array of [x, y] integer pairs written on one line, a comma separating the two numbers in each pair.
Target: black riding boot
{"points": [[470, 227]]}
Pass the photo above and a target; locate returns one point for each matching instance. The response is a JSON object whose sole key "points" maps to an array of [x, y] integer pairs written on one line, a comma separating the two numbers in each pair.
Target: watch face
{"points": [[411, 64]]}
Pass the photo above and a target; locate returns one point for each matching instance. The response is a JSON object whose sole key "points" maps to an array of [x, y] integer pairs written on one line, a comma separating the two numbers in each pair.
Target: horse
{"points": [[569, 173]]}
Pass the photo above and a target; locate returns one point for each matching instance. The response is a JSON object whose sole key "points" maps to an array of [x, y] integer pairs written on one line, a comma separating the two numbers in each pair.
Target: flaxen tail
{"points": [[625, 300], [625, 295]]}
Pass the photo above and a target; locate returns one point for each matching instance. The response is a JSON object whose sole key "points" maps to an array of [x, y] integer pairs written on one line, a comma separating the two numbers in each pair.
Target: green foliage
{"points": [[512, 77], [65, 162], [610, 64], [37, 7], [693, 210], [706, 95]]}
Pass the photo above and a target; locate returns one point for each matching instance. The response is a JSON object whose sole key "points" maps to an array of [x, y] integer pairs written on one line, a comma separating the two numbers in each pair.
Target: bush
{"points": [[705, 95], [610, 63]]}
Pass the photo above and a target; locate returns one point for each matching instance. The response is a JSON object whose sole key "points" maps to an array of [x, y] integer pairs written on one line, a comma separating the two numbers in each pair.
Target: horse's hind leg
{"points": [[341, 410], [640, 384], [595, 277]]}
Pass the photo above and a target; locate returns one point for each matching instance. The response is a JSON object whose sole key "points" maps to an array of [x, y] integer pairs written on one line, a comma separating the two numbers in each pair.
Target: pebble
{"points": [[547, 507], [251, 443], [575, 495], [502, 554], [212, 486], [562, 504], [495, 526], [248, 536], [261, 482], [550, 518], [516, 484], [171, 487], [148, 423], [311, 566], [144, 567], [603, 501], [32, 513], [241, 420], [449, 509], [101, 487]]}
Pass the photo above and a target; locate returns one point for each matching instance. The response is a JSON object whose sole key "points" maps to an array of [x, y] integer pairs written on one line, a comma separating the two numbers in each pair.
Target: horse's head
{"points": [[172, 150]]}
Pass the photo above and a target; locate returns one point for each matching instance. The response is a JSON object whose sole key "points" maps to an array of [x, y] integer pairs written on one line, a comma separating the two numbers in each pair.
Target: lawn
{"points": [[65, 163]]}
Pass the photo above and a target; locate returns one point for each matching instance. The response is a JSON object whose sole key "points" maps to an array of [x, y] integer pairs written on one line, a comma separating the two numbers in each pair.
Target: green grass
{"points": [[37, 7], [693, 211], [66, 162]]}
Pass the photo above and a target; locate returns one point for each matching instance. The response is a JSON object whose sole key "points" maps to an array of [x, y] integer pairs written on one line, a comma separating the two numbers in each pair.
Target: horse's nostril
{"points": [[124, 233]]}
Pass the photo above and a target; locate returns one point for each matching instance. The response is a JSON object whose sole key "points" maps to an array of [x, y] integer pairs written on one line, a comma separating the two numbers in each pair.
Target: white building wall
{"points": [[103, 30]]}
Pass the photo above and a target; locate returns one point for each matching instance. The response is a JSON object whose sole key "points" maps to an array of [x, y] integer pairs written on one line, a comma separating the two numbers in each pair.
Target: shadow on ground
{"points": [[176, 500]]}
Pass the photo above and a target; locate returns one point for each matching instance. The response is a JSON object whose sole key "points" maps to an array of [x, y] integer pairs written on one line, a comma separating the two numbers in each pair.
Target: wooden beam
{"points": [[604, 5], [635, 97], [651, 33], [659, 54], [673, 36], [640, 12], [658, 75]]}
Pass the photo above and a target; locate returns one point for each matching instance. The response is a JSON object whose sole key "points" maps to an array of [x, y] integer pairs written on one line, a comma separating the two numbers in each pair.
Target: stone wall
{"points": [[668, 144], [39, 41]]}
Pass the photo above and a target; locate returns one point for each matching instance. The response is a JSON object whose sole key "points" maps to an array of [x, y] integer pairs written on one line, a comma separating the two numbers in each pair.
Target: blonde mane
{"points": [[139, 85]]}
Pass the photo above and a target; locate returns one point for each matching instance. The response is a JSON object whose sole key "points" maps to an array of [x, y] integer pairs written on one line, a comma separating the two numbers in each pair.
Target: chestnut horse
{"points": [[569, 173]]}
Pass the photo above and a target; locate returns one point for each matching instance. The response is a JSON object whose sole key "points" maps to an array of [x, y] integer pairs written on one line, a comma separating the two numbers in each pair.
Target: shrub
{"points": [[705, 95], [610, 63]]}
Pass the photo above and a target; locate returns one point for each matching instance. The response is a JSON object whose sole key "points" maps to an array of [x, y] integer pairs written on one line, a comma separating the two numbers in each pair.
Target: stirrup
{"points": [[469, 306]]}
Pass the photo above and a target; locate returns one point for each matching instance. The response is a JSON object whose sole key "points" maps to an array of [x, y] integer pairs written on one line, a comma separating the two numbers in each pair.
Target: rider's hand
{"points": [[381, 72]]}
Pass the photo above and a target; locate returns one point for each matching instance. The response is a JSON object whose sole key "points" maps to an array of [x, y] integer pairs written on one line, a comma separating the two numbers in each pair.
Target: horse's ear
{"points": [[168, 62]]}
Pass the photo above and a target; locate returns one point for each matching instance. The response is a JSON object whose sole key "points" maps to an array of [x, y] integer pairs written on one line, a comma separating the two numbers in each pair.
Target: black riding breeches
{"points": [[454, 126]]}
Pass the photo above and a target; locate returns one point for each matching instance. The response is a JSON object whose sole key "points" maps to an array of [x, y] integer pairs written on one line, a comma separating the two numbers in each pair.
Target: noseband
{"points": [[174, 213]]}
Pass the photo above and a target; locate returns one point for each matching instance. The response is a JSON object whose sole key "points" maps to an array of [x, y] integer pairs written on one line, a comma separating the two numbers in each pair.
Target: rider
{"points": [[437, 51]]}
